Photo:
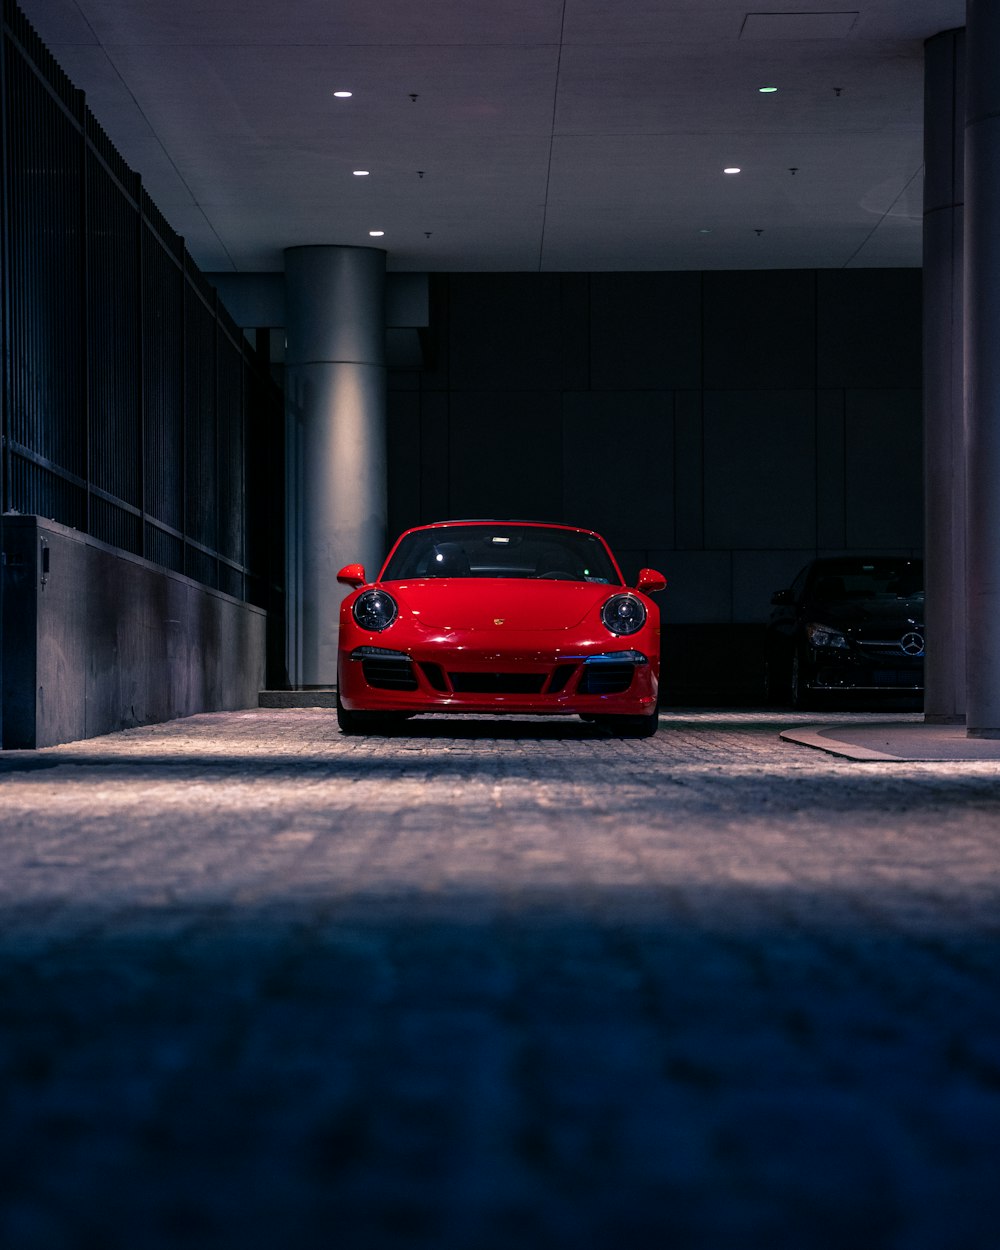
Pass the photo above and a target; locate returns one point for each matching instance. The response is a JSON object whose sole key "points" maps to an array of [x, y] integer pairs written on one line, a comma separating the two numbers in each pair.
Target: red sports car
{"points": [[499, 616]]}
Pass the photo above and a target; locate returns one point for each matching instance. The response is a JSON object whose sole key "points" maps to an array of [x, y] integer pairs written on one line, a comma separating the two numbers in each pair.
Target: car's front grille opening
{"points": [[497, 683], [888, 651], [435, 677], [386, 673], [905, 679], [606, 678], [560, 676]]}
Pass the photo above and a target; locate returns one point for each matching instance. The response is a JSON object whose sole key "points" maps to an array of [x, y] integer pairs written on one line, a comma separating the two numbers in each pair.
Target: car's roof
{"points": [[559, 525], [861, 561]]}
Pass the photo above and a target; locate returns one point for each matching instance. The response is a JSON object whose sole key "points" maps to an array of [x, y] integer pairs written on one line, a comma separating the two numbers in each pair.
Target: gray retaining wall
{"points": [[95, 640]]}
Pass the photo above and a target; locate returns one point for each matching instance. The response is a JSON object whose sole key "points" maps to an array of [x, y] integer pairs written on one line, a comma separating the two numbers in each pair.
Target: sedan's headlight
{"points": [[623, 614], [375, 610], [824, 636]]}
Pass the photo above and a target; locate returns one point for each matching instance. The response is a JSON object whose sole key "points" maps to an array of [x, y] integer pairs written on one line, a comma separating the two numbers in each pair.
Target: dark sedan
{"points": [[848, 625]]}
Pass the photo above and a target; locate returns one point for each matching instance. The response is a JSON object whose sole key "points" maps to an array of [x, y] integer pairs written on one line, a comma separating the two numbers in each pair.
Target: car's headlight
{"points": [[824, 636], [623, 614], [375, 610]]}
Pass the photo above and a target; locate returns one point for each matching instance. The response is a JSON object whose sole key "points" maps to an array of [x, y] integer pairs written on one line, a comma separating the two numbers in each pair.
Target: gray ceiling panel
{"points": [[590, 134]]}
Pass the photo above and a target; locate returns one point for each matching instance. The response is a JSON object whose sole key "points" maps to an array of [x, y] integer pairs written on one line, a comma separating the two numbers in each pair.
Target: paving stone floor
{"points": [[496, 984]]}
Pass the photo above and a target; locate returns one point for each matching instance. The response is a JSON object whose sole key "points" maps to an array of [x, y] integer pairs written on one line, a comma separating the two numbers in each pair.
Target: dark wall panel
{"points": [[689, 478], [505, 332], [831, 470], [575, 331], [232, 504], [699, 585], [403, 426], [645, 331], [113, 327], [506, 455], [618, 464], [163, 388], [760, 330], [200, 432], [760, 452], [884, 463], [869, 328], [435, 459], [44, 285]]}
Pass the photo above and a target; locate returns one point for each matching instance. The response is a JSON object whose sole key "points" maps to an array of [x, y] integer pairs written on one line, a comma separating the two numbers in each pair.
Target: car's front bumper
{"points": [[832, 670], [610, 680]]}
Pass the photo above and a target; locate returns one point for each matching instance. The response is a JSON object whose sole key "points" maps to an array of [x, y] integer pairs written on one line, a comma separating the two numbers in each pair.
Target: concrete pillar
{"points": [[982, 365], [944, 390], [336, 441]]}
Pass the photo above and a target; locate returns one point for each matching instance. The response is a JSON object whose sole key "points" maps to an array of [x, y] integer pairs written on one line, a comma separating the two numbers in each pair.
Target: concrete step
{"points": [[325, 696]]}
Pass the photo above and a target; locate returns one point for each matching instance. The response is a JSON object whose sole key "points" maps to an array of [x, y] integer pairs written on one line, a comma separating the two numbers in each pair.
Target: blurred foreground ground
{"points": [[496, 984]]}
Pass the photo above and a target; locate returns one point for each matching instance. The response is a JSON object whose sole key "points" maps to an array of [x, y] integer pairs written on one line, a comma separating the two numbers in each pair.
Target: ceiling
{"points": [[518, 134]]}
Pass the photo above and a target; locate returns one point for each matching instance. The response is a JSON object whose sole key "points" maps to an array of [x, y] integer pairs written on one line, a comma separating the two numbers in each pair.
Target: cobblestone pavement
{"points": [[493, 985]]}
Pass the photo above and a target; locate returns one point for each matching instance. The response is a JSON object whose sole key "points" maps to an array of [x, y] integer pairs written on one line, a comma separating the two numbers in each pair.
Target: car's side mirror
{"points": [[352, 575], [782, 598], [650, 581]]}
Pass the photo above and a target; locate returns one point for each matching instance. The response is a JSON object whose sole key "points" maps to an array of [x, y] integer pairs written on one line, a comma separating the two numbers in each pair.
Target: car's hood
{"points": [[499, 603], [856, 613]]}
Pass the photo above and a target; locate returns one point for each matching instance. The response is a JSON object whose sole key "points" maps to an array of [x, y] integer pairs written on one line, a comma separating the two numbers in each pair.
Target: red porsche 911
{"points": [[499, 616]]}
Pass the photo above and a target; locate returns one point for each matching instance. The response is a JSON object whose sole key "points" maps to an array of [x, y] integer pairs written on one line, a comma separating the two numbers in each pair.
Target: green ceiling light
{"points": [[767, 90]]}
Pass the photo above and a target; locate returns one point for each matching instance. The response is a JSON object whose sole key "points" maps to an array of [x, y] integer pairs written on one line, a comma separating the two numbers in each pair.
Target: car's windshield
{"points": [[835, 580], [501, 551]]}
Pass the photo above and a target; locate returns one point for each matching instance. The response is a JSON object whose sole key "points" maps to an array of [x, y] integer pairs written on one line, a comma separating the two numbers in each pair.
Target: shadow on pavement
{"points": [[483, 1071]]}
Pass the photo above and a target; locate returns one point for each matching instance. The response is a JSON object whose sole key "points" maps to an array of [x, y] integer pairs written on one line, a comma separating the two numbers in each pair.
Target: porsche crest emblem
{"points": [[498, 620]]}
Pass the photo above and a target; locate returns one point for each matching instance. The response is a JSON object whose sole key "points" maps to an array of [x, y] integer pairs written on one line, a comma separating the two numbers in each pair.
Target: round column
{"points": [[944, 390], [982, 365], [335, 440]]}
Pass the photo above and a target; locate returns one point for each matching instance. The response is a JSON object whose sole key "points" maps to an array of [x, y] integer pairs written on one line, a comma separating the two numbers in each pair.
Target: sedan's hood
{"points": [[499, 603], [855, 613]]}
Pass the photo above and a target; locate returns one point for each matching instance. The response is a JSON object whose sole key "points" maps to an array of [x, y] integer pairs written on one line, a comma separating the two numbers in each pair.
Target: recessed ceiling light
{"points": [[731, 169], [343, 95], [362, 173], [376, 234], [767, 90], [705, 230]]}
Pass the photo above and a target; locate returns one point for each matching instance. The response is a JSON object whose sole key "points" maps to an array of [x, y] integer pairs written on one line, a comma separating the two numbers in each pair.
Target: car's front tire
{"points": [[353, 723], [802, 698]]}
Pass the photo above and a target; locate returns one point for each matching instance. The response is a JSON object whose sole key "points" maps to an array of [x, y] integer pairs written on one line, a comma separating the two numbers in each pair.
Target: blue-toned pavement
{"points": [[496, 984]]}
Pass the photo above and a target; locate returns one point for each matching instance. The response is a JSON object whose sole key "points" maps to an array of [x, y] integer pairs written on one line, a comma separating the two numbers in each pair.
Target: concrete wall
{"points": [[722, 427], [94, 640]]}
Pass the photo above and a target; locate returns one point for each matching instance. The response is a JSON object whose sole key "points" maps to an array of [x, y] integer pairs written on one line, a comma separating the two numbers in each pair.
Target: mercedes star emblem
{"points": [[912, 644]]}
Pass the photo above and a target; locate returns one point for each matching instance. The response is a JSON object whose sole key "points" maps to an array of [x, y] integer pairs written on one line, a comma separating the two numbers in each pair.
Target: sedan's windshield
{"points": [[501, 551], [840, 579]]}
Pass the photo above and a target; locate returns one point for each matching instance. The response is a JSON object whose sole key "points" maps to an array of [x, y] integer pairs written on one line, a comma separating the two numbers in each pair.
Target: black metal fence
{"points": [[133, 407]]}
